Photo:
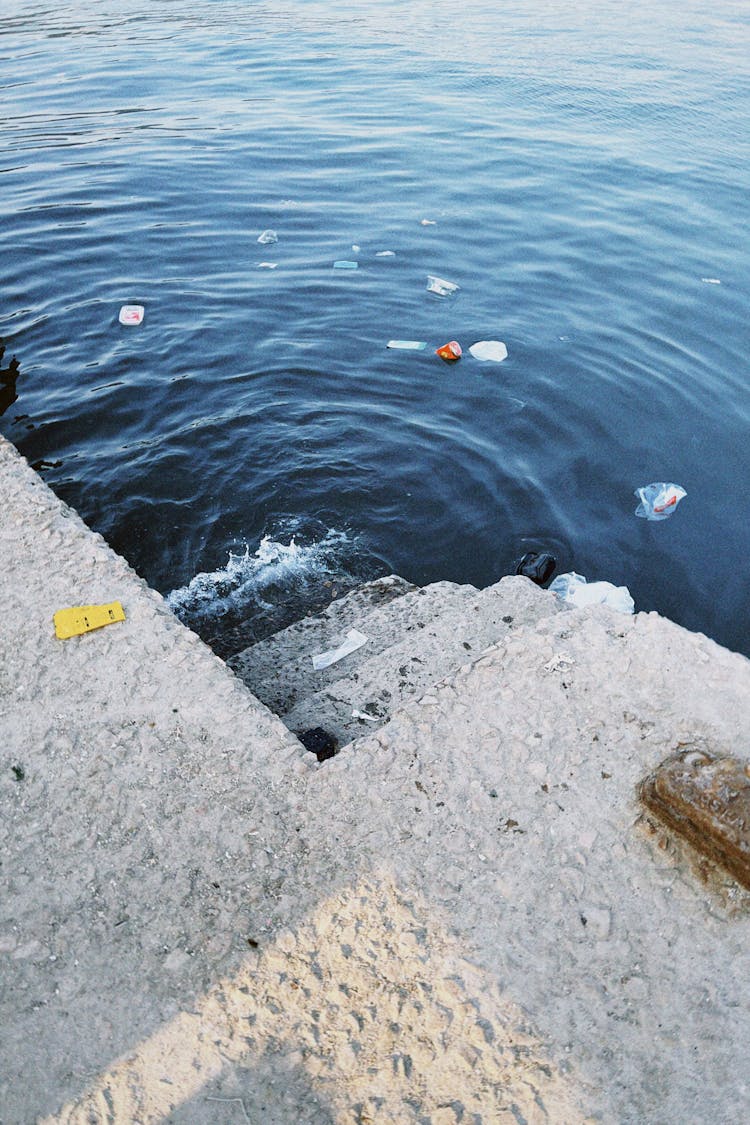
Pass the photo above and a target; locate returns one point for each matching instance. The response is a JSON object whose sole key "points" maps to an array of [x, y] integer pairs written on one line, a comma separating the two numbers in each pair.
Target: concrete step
{"points": [[279, 671], [458, 631]]}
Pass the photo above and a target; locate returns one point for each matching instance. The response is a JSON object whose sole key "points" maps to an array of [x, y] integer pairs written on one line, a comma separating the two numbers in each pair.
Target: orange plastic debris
{"points": [[450, 351]]}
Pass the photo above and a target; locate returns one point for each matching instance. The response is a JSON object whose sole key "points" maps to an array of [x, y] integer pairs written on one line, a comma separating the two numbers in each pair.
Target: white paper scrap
{"points": [[363, 715], [440, 286], [353, 640]]}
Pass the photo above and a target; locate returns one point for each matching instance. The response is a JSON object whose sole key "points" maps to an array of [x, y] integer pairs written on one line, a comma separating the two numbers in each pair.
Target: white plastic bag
{"points": [[351, 642], [574, 589], [658, 501]]}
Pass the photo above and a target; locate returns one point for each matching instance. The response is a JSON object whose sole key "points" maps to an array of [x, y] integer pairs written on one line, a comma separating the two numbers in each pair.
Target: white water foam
{"points": [[252, 581]]}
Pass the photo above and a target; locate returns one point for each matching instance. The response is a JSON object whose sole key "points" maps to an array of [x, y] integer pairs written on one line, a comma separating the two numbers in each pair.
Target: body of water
{"points": [[580, 170]]}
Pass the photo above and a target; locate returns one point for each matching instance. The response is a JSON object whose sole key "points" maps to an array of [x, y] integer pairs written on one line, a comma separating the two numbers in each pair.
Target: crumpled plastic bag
{"points": [[575, 590], [658, 501]]}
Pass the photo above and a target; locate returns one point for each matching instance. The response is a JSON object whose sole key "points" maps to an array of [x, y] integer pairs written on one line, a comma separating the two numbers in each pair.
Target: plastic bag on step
{"points": [[351, 642], [575, 590], [658, 501]]}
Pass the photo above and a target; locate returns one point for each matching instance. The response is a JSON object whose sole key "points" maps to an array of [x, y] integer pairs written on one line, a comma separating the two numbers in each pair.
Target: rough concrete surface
{"points": [[464, 917]]}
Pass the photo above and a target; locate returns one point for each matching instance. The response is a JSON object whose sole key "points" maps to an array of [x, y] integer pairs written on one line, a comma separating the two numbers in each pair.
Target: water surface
{"points": [[584, 171]]}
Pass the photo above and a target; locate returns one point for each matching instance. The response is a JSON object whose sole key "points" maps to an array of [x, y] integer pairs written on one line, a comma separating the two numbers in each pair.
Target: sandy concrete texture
{"points": [[464, 917]]}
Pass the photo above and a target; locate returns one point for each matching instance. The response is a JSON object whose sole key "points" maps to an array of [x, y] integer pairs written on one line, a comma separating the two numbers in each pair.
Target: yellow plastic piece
{"points": [[83, 618]]}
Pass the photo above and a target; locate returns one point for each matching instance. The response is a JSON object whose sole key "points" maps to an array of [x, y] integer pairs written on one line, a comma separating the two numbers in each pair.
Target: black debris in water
{"points": [[319, 742], [539, 567], [8, 376]]}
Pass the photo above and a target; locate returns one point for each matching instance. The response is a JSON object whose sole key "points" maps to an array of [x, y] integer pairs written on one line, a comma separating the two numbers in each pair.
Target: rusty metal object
{"points": [[707, 800]]}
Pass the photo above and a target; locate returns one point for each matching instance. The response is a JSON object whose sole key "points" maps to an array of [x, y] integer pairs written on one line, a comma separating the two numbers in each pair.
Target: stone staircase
{"points": [[416, 637]]}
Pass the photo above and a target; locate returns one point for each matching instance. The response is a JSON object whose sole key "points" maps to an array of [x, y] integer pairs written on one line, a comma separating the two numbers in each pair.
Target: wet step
{"points": [[362, 695], [279, 671]]}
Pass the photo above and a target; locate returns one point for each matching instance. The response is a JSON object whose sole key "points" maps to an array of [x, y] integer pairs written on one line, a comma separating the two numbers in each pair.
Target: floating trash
{"points": [[355, 248], [131, 314], [407, 345], [489, 351], [386, 254], [267, 265], [427, 223], [345, 265], [711, 280], [440, 286], [658, 501], [450, 351], [267, 237], [538, 566]]}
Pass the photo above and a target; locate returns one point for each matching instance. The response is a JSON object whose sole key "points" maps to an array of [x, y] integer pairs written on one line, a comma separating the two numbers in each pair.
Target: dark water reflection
{"points": [[586, 171]]}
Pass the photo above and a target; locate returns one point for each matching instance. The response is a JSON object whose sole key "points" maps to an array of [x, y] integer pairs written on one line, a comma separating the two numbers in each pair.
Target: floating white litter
{"points": [[659, 500], [492, 351], [407, 345], [386, 254], [267, 265], [267, 237], [131, 314], [343, 265], [440, 286], [711, 280], [427, 223]]}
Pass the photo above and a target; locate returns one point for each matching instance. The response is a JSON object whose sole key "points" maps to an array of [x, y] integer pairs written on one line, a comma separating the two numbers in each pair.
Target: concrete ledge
{"points": [[465, 917]]}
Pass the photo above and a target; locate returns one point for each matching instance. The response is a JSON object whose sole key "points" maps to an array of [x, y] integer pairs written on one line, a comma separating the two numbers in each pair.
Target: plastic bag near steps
{"points": [[352, 641], [658, 501], [575, 590]]}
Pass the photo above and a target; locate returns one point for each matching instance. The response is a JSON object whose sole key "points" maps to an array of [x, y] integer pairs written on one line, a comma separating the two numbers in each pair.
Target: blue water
{"points": [[585, 170]]}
